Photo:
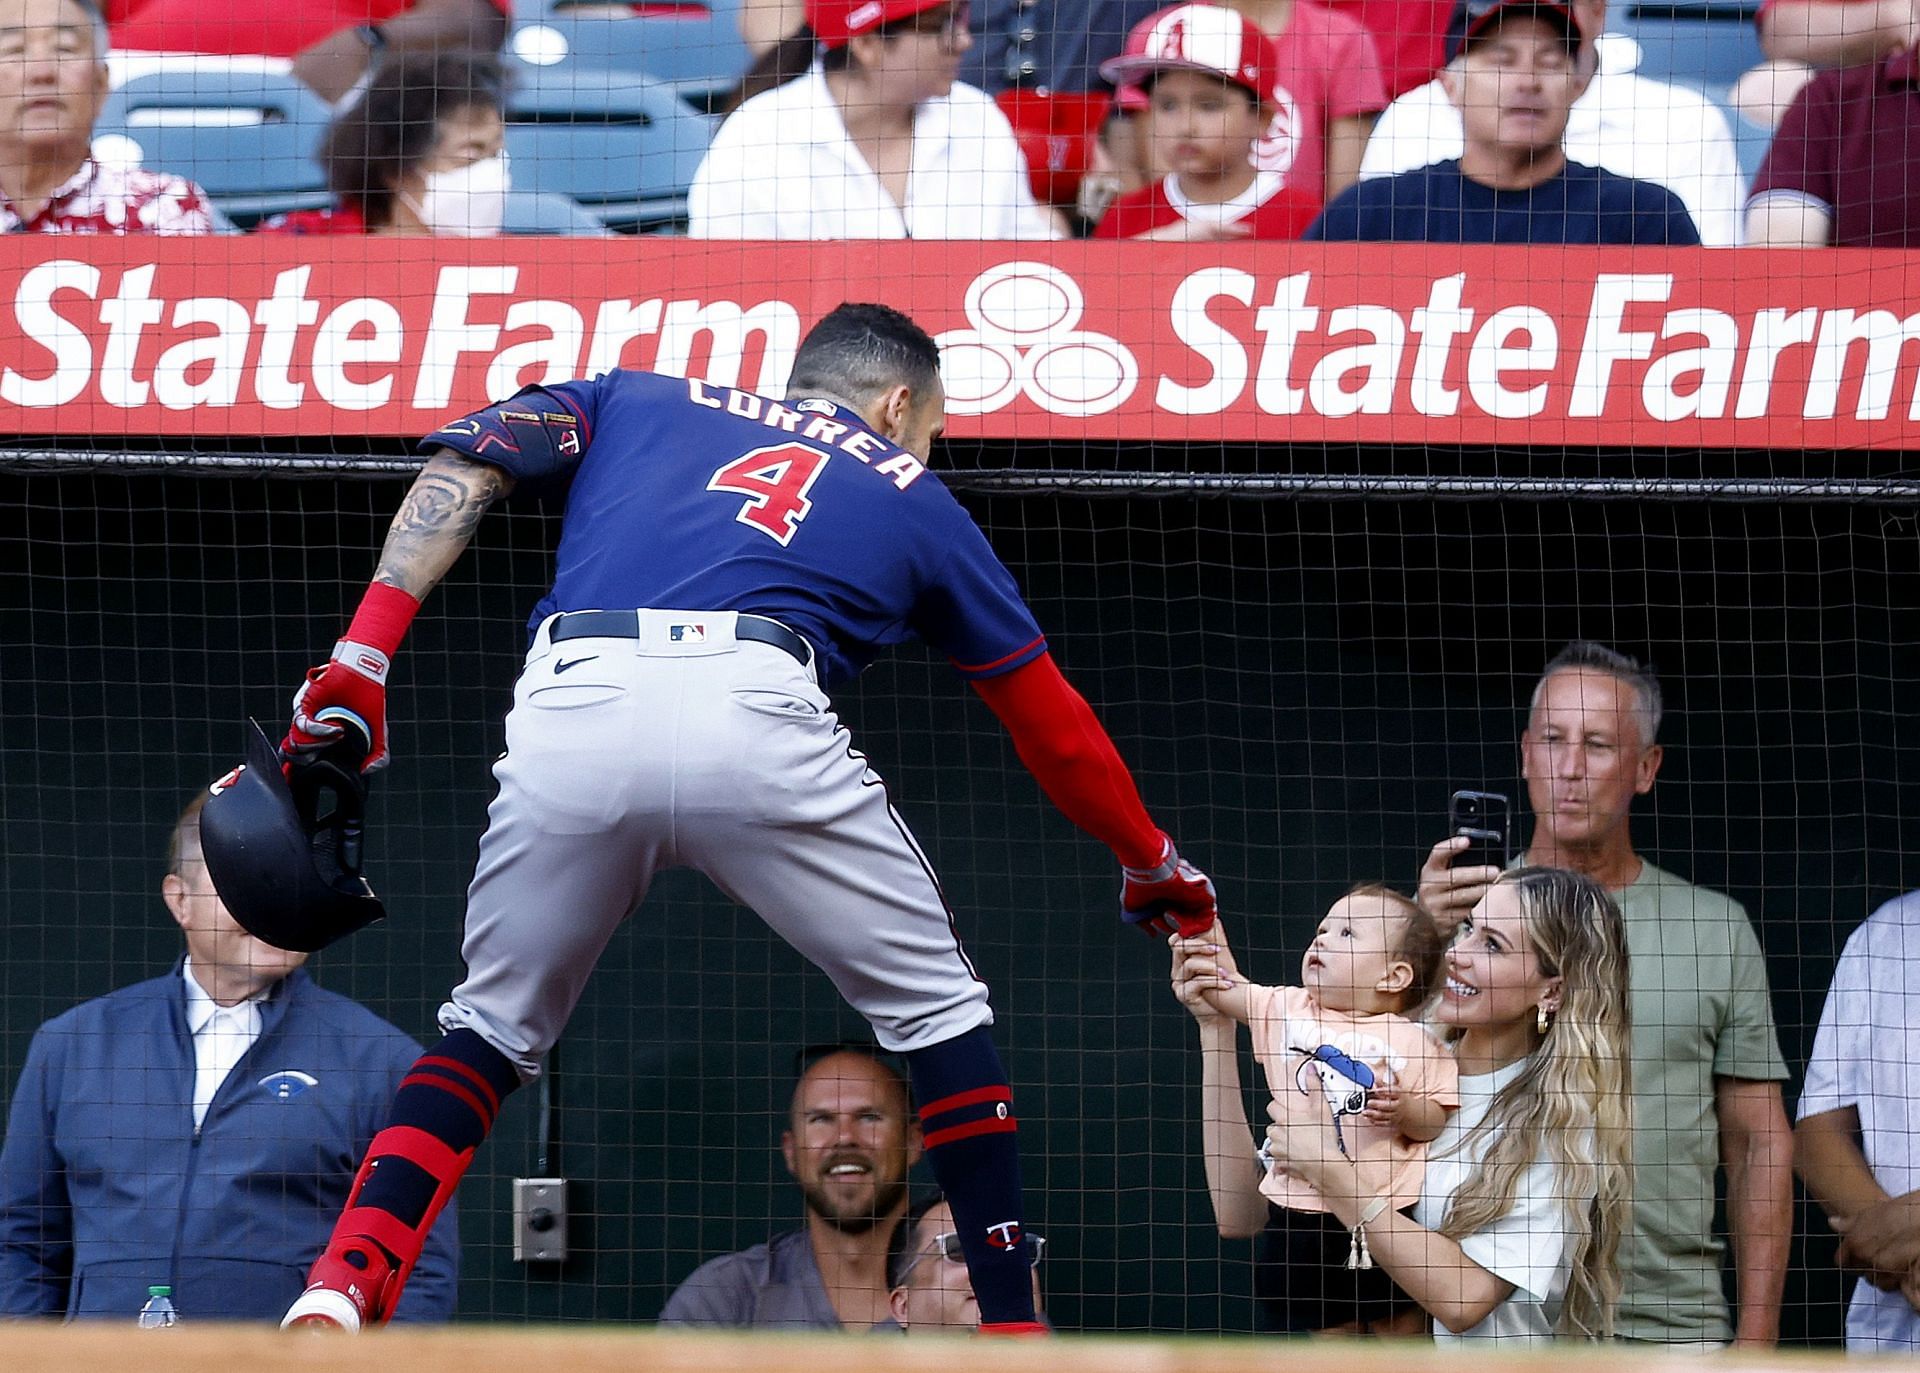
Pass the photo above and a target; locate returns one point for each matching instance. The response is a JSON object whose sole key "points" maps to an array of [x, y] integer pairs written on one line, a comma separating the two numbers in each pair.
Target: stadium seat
{"points": [[623, 147], [542, 212], [692, 45], [1705, 44], [247, 137]]}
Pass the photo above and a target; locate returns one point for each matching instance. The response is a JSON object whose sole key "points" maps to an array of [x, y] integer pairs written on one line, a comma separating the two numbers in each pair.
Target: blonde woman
{"points": [[1529, 1186]]}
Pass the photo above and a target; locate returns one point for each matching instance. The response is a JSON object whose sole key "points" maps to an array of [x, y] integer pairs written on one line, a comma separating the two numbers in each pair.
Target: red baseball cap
{"points": [[838, 22], [1197, 38]]}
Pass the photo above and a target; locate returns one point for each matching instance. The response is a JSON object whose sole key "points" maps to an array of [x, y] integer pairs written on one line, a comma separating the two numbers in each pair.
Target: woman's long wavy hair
{"points": [[1571, 1102]]}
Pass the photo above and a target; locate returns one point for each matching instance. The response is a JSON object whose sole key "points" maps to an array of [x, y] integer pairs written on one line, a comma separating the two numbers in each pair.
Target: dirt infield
{"points": [[604, 1349]]}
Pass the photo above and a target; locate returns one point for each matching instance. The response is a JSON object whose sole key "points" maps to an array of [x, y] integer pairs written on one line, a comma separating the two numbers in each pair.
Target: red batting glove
{"points": [[1173, 897], [351, 687]]}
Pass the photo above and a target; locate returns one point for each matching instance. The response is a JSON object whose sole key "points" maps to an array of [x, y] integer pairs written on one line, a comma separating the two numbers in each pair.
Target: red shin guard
{"points": [[372, 1251]]}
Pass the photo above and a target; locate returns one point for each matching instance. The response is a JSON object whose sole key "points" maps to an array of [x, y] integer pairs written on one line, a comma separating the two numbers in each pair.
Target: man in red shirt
{"points": [[1844, 167], [331, 42], [1208, 77], [52, 83]]}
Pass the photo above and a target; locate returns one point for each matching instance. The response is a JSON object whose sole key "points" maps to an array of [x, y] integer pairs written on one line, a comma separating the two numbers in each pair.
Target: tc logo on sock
{"points": [[1005, 1235]]}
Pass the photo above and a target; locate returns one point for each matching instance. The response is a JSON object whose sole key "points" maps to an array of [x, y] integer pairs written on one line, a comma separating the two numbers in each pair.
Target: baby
{"points": [[1340, 1049]]}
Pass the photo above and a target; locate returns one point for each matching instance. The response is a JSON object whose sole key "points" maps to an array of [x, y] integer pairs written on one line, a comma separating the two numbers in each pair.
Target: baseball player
{"points": [[724, 560]]}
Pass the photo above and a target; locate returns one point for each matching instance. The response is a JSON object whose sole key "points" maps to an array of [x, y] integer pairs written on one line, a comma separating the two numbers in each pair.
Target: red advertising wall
{"points": [[1383, 343]]}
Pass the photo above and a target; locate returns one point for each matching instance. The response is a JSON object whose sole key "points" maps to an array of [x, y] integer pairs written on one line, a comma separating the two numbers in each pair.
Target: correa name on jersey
{"points": [[684, 495], [861, 442]]}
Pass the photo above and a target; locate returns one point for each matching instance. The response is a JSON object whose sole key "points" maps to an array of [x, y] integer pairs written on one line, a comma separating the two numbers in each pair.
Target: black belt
{"points": [[625, 624]]}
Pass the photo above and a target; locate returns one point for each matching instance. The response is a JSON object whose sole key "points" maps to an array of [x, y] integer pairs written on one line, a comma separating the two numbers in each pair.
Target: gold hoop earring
{"points": [[1542, 1019]]}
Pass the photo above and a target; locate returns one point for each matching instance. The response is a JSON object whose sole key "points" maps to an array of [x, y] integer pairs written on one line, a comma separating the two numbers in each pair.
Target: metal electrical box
{"points": [[539, 1220]]}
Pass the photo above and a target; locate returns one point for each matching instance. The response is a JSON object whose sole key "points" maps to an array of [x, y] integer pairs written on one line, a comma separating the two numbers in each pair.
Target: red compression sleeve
{"points": [[1068, 752], [382, 620]]}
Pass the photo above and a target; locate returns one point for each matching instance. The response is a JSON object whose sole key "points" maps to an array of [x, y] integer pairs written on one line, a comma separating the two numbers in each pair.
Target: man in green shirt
{"points": [[1706, 1060]]}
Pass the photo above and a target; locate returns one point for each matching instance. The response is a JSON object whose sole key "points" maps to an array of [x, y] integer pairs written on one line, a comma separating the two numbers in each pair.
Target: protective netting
{"points": [[1298, 683]]}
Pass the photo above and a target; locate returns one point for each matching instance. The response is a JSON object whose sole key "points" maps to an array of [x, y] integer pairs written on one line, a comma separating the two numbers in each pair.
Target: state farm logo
{"points": [[1025, 341]]}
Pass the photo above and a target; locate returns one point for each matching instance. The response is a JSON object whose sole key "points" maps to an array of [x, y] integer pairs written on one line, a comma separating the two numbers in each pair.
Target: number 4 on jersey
{"points": [[775, 482]]}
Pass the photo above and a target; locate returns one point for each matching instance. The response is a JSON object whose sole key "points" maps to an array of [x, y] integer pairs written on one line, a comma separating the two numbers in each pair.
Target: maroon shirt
{"points": [[1851, 143]]}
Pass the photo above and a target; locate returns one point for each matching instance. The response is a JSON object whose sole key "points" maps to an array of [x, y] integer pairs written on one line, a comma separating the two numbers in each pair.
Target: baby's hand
{"points": [[1408, 1114], [1383, 1107]]}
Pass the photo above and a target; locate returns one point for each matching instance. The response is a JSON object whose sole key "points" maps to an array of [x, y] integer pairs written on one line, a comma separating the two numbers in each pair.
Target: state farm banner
{"points": [[1279, 342]]}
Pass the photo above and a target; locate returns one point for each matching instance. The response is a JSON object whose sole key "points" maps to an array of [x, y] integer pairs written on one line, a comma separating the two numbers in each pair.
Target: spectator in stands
{"points": [[421, 153], [1512, 72], [1844, 166], [927, 1273], [1118, 166], [1329, 90], [332, 43], [53, 81], [200, 1129], [850, 1140], [1855, 1145], [1837, 33], [1376, 961], [1622, 122], [1326, 91], [1208, 74], [1516, 1230], [1706, 1060], [876, 140]]}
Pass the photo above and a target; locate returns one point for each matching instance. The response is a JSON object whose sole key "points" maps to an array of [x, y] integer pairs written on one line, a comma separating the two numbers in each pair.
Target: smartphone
{"points": [[1483, 817]]}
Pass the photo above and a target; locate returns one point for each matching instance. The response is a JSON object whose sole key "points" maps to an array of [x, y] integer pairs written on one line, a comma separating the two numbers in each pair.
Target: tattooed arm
{"points": [[437, 520], [435, 524]]}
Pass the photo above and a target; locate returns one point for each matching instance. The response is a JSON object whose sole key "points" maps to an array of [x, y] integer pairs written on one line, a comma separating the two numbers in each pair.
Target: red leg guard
{"points": [[372, 1252]]}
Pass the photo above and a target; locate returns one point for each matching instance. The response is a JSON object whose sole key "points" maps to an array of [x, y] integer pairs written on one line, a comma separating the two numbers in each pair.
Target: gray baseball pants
{"points": [[628, 756]]}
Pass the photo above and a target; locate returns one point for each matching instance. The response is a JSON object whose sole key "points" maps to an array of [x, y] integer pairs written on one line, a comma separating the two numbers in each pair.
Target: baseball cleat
{"points": [[319, 1308], [347, 1289]]}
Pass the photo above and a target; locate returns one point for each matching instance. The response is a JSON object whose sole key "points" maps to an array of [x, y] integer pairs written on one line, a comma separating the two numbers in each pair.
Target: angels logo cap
{"points": [[1200, 38]]}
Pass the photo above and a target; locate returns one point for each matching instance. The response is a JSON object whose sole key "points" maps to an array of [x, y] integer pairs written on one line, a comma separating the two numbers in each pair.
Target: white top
{"points": [[783, 166], [1628, 124], [1866, 1054], [1217, 214], [221, 1037], [1527, 1246]]}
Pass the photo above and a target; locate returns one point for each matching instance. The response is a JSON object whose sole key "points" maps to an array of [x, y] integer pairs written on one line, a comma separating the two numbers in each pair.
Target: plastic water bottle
{"points": [[158, 1313]]}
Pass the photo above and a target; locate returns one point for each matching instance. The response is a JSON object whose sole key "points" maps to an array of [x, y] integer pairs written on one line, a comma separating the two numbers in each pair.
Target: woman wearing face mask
{"points": [[1529, 1186], [421, 153]]}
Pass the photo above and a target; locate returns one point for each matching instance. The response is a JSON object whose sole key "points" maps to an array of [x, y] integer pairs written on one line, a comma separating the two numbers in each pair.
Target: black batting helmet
{"points": [[286, 869]]}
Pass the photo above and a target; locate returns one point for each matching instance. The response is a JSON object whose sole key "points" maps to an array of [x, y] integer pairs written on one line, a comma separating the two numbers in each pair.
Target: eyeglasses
{"points": [[947, 1246]]}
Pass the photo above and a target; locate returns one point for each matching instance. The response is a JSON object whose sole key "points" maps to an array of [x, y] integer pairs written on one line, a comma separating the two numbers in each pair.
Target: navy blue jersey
{"points": [[1440, 204], [686, 496]]}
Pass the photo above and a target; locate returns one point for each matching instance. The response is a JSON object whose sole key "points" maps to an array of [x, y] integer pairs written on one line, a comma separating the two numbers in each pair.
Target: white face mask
{"points": [[468, 202]]}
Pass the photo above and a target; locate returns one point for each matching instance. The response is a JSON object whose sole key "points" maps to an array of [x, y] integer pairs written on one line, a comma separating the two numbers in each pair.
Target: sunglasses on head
{"points": [[947, 1246]]}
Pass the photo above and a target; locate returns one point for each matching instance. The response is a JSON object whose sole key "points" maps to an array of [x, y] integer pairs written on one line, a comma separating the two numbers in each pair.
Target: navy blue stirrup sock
{"points": [[972, 1141], [453, 1092]]}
